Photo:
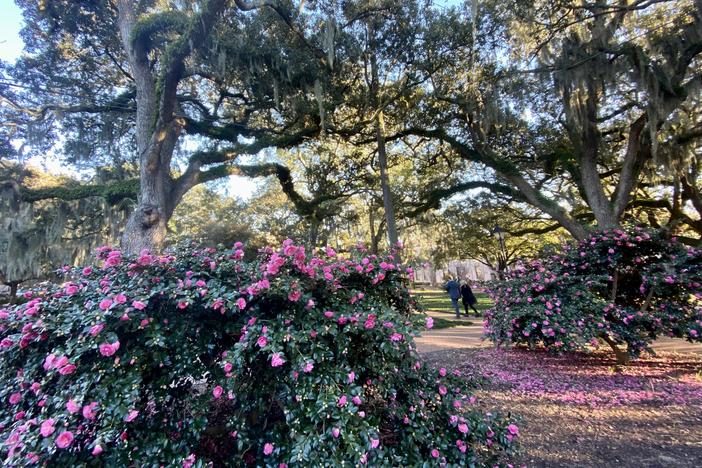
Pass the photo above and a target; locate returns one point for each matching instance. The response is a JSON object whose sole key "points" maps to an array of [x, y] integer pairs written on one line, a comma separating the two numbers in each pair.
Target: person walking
{"points": [[468, 299], [453, 288]]}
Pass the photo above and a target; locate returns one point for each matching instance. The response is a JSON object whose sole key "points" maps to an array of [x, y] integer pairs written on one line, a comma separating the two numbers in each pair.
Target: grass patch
{"points": [[440, 323], [434, 299]]}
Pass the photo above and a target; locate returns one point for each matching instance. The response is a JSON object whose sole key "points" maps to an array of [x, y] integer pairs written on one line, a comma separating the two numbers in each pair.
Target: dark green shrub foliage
{"points": [[201, 356], [625, 287]]}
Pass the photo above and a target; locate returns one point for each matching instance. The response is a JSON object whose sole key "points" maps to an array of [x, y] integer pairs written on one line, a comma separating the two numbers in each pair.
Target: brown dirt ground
{"points": [[554, 434]]}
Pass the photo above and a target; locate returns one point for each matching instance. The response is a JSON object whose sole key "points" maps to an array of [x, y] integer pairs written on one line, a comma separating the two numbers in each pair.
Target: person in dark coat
{"points": [[453, 288], [468, 299]]}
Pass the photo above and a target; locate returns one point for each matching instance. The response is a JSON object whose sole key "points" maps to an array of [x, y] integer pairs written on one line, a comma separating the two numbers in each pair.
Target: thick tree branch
{"points": [[432, 199], [113, 192], [507, 171]]}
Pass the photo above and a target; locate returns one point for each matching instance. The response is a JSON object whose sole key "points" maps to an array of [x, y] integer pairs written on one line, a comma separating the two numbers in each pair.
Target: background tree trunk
{"points": [[388, 203]]}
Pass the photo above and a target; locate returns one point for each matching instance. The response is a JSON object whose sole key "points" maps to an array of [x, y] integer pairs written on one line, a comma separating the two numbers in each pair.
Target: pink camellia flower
{"points": [[182, 305], [241, 303], [329, 314], [335, 432], [105, 304], [309, 365], [262, 341], [138, 305], [189, 461], [120, 298], [463, 428], [351, 377], [442, 372], [71, 289], [87, 271], [72, 407], [64, 439], [268, 448], [108, 349], [6, 343], [89, 411], [294, 296], [96, 329], [15, 398], [217, 391], [97, 450], [434, 453], [67, 369], [513, 429], [342, 401], [144, 322], [277, 360], [429, 323], [49, 362], [132, 415], [47, 427], [228, 367], [396, 337], [356, 400], [375, 443], [442, 390]]}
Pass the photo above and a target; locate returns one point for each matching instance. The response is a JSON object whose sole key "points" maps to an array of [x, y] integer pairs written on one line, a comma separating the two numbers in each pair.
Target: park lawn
{"points": [[435, 300], [437, 305]]}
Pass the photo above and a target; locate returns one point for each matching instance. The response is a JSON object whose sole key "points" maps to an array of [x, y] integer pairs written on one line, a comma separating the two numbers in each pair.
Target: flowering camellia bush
{"points": [[622, 287], [202, 357]]}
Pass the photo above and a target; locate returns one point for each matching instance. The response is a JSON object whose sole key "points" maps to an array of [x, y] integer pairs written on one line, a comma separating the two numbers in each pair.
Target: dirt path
{"points": [[576, 410], [470, 337]]}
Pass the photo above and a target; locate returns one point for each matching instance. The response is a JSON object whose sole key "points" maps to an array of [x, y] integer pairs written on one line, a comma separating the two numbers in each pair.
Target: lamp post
{"points": [[502, 252]]}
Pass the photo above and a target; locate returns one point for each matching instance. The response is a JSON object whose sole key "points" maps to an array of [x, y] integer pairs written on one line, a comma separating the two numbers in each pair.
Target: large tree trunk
{"points": [[587, 140], [157, 135], [313, 234], [146, 227], [388, 203]]}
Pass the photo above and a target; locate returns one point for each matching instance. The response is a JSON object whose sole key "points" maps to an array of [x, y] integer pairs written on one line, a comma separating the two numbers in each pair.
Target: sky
{"points": [[10, 25], [11, 47]]}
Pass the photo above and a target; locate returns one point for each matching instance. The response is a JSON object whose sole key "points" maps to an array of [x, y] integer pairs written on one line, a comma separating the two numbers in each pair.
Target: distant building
{"points": [[463, 269]]}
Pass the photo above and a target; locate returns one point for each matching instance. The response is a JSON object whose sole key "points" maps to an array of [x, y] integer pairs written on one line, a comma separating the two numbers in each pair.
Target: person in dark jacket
{"points": [[453, 288], [468, 299]]}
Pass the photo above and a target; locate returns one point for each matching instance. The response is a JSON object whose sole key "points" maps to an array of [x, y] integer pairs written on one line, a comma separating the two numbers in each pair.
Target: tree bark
{"points": [[622, 356], [388, 203], [586, 138], [313, 234], [146, 227], [157, 129], [13, 290]]}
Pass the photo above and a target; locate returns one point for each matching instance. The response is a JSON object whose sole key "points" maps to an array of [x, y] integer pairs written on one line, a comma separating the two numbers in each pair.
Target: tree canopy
{"points": [[379, 113]]}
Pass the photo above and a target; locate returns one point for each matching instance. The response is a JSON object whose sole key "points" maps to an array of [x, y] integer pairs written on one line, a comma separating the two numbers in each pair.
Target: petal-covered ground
{"points": [[579, 410]]}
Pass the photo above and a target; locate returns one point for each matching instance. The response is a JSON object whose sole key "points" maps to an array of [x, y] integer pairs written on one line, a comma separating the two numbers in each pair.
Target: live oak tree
{"points": [[531, 93], [609, 76], [146, 82]]}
